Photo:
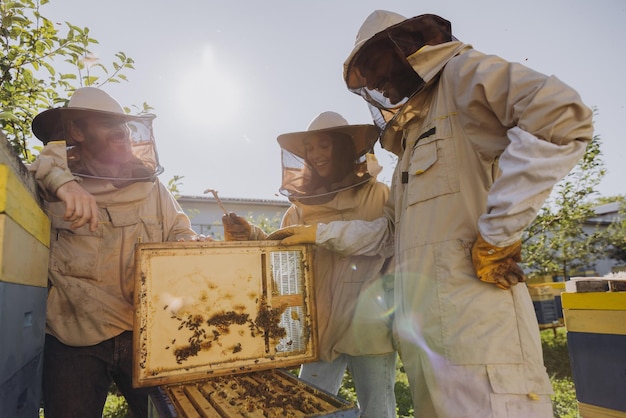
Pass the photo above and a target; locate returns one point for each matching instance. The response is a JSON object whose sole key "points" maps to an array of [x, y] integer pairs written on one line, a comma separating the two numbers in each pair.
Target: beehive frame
{"points": [[267, 393], [207, 309]]}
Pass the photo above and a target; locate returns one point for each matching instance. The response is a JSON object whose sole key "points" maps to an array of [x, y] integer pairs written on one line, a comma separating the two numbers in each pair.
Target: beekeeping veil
{"points": [[52, 125], [406, 38], [353, 160]]}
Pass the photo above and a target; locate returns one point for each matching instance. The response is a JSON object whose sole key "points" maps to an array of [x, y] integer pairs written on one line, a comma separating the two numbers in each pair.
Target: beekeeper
{"points": [[98, 172], [329, 173], [480, 143]]}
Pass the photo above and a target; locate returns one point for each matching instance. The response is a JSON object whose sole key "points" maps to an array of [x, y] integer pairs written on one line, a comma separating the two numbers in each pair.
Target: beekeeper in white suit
{"points": [[98, 174], [480, 143], [329, 173]]}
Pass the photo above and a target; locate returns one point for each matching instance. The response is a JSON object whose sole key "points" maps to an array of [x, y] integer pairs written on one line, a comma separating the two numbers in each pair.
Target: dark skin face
{"points": [[386, 71]]}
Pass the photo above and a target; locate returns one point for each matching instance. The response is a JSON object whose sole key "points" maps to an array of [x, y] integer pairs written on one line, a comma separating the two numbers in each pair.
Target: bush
{"points": [[115, 405], [556, 359], [564, 403]]}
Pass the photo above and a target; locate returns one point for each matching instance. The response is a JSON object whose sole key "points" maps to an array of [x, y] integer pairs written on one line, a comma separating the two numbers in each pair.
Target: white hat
{"points": [[363, 136], [375, 23], [84, 100], [429, 30]]}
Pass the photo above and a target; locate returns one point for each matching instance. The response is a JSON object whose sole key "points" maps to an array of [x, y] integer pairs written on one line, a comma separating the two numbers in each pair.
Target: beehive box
{"points": [[24, 233], [544, 304], [24, 252], [557, 289], [546, 311], [207, 309], [596, 340], [268, 393]]}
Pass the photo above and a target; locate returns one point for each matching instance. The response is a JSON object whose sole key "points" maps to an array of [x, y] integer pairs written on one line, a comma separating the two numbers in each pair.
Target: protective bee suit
{"points": [[91, 274], [98, 174], [91, 277], [353, 295], [480, 143]]}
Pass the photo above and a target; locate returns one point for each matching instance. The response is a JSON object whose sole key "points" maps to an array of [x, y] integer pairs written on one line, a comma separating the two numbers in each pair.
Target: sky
{"points": [[225, 78]]}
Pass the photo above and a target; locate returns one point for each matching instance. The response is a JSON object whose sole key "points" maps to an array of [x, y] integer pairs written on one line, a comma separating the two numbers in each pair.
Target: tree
{"points": [[556, 243], [614, 238], [32, 50]]}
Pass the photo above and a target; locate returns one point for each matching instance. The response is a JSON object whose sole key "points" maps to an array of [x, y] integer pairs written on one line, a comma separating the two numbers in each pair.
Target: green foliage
{"points": [[173, 185], [564, 403], [555, 354], [33, 50], [614, 239], [556, 243], [556, 359], [266, 224], [404, 403], [347, 390], [115, 407]]}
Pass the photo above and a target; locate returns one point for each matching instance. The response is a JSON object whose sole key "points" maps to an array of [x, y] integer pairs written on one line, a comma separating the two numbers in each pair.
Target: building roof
{"points": [[605, 214], [269, 202]]}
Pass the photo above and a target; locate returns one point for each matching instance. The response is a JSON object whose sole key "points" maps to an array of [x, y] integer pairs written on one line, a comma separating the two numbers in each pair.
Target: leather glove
{"points": [[297, 234], [236, 228], [498, 265]]}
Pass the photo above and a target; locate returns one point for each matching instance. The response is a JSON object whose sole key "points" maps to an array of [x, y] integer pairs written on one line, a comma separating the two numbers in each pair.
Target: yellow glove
{"points": [[236, 228], [498, 265], [297, 234]]}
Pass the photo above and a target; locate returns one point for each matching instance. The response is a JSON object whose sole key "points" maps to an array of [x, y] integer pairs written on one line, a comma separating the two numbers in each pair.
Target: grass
{"points": [[556, 358]]}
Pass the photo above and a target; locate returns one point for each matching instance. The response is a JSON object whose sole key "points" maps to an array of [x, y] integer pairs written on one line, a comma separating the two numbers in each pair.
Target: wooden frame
{"points": [[207, 309]]}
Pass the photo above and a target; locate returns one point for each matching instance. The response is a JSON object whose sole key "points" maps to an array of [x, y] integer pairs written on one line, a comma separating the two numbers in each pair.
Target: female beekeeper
{"points": [[329, 173]]}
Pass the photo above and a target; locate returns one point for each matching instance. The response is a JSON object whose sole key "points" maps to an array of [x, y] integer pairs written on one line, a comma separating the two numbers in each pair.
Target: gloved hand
{"points": [[236, 228], [297, 234], [498, 265]]}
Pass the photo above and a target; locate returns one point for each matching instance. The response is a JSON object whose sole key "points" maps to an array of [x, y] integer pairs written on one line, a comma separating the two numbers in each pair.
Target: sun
{"points": [[208, 94]]}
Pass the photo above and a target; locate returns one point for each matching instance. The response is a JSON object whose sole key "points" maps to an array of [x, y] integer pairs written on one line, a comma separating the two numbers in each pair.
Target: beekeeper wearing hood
{"points": [[329, 173], [480, 143], [98, 172]]}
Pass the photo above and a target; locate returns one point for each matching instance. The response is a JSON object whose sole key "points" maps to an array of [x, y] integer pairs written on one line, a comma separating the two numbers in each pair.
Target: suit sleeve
{"points": [[536, 126], [51, 170]]}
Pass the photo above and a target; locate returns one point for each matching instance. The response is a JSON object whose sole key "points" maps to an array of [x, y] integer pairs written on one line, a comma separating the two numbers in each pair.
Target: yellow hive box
{"points": [[207, 309], [593, 411], [556, 287], [539, 290], [24, 242], [24, 233], [596, 340]]}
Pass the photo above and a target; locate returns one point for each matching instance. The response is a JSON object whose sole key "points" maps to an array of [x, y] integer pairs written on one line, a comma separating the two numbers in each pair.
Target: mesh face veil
{"points": [[329, 157], [102, 140], [140, 159], [302, 182], [379, 70]]}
